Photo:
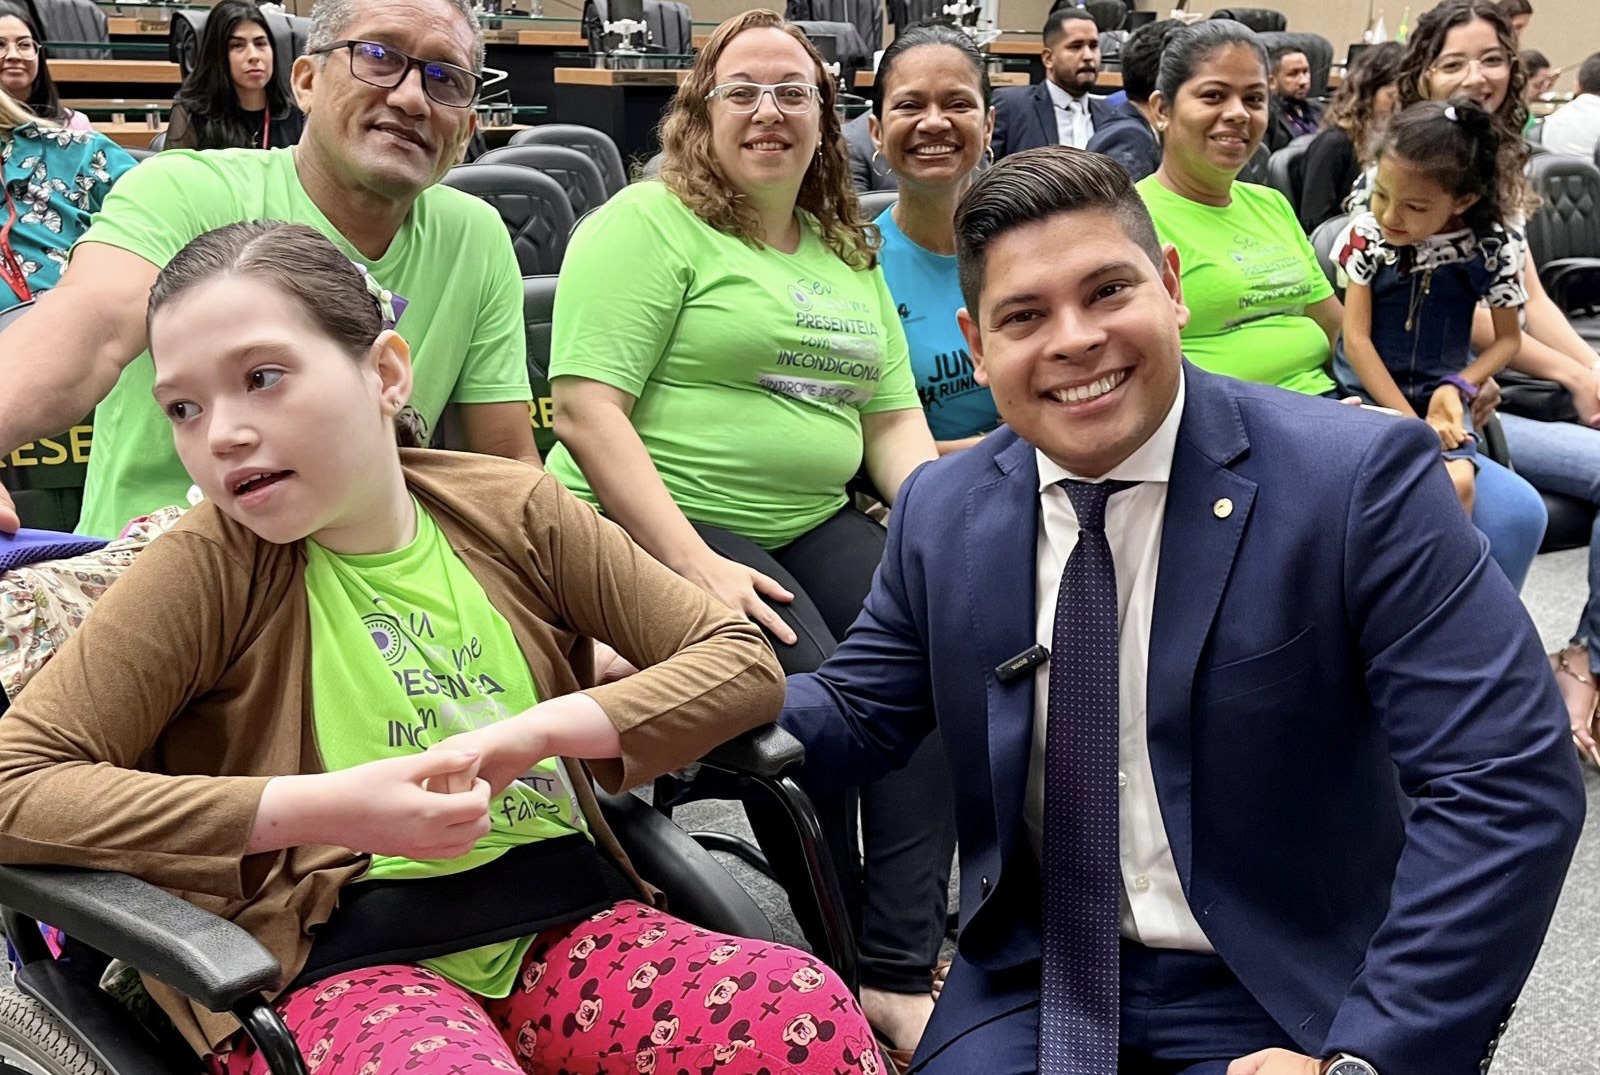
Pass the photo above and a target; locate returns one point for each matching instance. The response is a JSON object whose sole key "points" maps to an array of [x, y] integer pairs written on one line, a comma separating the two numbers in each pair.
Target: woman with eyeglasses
{"points": [[52, 181], [1468, 47], [24, 72], [727, 357], [237, 93]]}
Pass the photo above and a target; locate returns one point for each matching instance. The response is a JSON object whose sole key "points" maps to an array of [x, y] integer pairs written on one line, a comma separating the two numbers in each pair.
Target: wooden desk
{"points": [[553, 39], [117, 72], [129, 135], [128, 27], [596, 76], [865, 79]]}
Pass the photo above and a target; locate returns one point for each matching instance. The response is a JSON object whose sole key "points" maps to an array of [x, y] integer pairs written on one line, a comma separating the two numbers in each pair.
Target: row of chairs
{"points": [[541, 184]]}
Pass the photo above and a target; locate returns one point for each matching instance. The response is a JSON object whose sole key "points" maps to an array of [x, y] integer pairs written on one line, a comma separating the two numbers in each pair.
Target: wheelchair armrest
{"points": [[1573, 283], [202, 956], [767, 751]]}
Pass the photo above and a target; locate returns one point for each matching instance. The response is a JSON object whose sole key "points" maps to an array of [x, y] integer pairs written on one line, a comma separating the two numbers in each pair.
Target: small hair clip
{"points": [[1450, 113], [383, 296]]}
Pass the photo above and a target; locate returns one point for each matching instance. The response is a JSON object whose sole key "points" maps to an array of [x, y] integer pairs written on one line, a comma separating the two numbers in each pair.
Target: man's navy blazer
{"points": [[1127, 139], [1327, 627], [1025, 118]]}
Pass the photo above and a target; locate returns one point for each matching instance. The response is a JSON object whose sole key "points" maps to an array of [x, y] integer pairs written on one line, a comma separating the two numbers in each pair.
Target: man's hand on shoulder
{"points": [[1275, 1062]]}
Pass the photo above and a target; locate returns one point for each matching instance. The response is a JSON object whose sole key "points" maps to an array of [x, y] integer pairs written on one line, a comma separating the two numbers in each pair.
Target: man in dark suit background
{"points": [[1183, 690], [1129, 137], [1290, 112], [1060, 110]]}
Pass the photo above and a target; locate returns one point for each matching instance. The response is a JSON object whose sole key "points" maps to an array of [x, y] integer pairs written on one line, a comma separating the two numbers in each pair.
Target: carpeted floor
{"points": [[1557, 1026]]}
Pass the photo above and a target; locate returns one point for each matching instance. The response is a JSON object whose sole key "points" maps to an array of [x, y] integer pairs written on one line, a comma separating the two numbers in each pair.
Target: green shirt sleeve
{"points": [[897, 387], [622, 286], [156, 208], [496, 366]]}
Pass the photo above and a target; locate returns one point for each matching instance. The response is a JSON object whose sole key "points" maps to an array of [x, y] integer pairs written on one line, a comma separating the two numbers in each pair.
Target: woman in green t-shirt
{"points": [[725, 357], [1260, 308]]}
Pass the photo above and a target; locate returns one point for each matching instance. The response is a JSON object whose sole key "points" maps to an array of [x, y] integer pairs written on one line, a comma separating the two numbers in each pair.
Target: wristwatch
{"points": [[1346, 1064]]}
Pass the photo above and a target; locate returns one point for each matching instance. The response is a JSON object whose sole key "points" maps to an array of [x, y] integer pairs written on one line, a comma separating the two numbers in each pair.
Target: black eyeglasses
{"points": [[386, 67]]}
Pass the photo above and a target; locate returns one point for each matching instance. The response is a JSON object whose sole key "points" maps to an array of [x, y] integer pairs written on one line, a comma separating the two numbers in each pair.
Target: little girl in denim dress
{"points": [[1431, 247]]}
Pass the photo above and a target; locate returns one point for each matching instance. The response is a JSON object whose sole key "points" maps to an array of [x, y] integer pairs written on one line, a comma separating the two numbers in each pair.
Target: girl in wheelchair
{"points": [[339, 705]]}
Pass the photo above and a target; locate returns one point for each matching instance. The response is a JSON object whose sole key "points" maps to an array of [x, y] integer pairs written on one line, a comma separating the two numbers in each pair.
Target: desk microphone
{"points": [[1014, 669]]}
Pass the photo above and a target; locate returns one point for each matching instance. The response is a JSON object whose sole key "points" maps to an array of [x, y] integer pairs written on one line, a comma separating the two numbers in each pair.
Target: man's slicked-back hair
{"points": [[1037, 184], [331, 18]]}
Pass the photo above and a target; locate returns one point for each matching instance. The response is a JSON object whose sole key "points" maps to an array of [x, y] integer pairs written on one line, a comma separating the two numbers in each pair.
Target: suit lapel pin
{"points": [[1222, 508]]}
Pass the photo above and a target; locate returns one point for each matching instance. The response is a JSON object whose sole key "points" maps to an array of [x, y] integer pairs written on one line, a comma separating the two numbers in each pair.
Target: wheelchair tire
{"points": [[35, 1041]]}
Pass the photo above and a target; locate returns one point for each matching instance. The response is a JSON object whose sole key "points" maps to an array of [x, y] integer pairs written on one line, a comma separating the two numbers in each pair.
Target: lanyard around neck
{"points": [[11, 265]]}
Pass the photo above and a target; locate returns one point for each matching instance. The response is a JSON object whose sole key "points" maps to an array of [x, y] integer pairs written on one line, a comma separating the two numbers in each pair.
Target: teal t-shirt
{"points": [[406, 650], [451, 262], [927, 292], [1248, 274], [751, 368]]}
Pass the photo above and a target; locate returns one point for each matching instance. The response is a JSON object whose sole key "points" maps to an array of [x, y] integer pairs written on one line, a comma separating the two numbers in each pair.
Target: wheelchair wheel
{"points": [[34, 1041]]}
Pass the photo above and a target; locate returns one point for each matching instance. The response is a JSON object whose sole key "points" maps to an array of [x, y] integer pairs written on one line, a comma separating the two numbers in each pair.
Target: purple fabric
{"points": [[33, 546]]}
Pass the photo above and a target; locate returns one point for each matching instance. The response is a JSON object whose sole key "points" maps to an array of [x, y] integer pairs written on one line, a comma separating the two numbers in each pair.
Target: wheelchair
{"points": [[55, 1019]]}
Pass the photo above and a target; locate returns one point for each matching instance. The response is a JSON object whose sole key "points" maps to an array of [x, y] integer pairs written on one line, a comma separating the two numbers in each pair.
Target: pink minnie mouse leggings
{"points": [[631, 990]]}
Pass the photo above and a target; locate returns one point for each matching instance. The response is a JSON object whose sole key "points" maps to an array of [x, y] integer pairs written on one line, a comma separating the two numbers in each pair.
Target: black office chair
{"points": [[1286, 169], [57, 1020], [1323, 236], [578, 175], [289, 34], [1255, 169], [538, 315], [1260, 19], [49, 495], [72, 20], [874, 202], [903, 13], [851, 51], [1107, 14], [533, 207], [1318, 50], [158, 143], [597, 145]]}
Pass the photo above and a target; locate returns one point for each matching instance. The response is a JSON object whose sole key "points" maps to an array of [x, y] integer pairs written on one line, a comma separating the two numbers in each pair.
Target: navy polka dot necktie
{"points": [[1080, 985]]}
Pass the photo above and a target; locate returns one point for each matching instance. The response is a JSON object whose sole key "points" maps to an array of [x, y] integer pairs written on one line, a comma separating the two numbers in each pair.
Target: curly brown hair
{"points": [[1422, 51], [690, 170], [1353, 109]]}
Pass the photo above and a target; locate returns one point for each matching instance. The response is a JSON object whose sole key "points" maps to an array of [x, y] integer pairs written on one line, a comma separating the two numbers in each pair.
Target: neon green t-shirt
{"points": [[451, 262], [751, 367], [406, 650], [1248, 275]]}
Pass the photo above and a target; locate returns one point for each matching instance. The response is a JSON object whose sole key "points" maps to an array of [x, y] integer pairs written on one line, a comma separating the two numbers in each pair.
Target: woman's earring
{"points": [[988, 156], [877, 155]]}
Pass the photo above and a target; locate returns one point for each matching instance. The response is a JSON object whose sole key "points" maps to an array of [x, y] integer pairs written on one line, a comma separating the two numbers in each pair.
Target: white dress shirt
{"points": [[1074, 125], [1574, 127], [1154, 911]]}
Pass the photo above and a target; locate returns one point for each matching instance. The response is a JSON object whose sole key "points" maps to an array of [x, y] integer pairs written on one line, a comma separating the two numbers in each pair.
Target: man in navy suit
{"points": [[1059, 110], [1280, 729], [1129, 136]]}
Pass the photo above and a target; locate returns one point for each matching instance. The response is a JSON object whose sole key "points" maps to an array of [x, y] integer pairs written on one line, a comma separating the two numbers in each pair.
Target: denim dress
{"points": [[1423, 297]]}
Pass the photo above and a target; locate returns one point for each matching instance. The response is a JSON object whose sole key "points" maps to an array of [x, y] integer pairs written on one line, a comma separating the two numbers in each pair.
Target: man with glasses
{"points": [[387, 87]]}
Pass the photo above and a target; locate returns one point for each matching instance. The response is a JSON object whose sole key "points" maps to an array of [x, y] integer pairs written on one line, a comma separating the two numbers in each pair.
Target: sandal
{"points": [[1591, 724]]}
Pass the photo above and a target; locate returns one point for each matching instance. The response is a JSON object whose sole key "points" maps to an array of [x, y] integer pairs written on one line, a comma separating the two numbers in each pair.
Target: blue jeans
{"points": [[1564, 457], [1510, 514]]}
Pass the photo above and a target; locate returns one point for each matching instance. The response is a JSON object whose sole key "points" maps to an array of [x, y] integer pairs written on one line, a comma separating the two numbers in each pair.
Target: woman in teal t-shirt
{"points": [[725, 358], [1260, 307], [931, 122]]}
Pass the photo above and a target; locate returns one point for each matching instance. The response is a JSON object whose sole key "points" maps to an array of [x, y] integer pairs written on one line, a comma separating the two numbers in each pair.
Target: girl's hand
{"points": [[1484, 404], [742, 589], [1445, 416], [1585, 397], [401, 806], [506, 749]]}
